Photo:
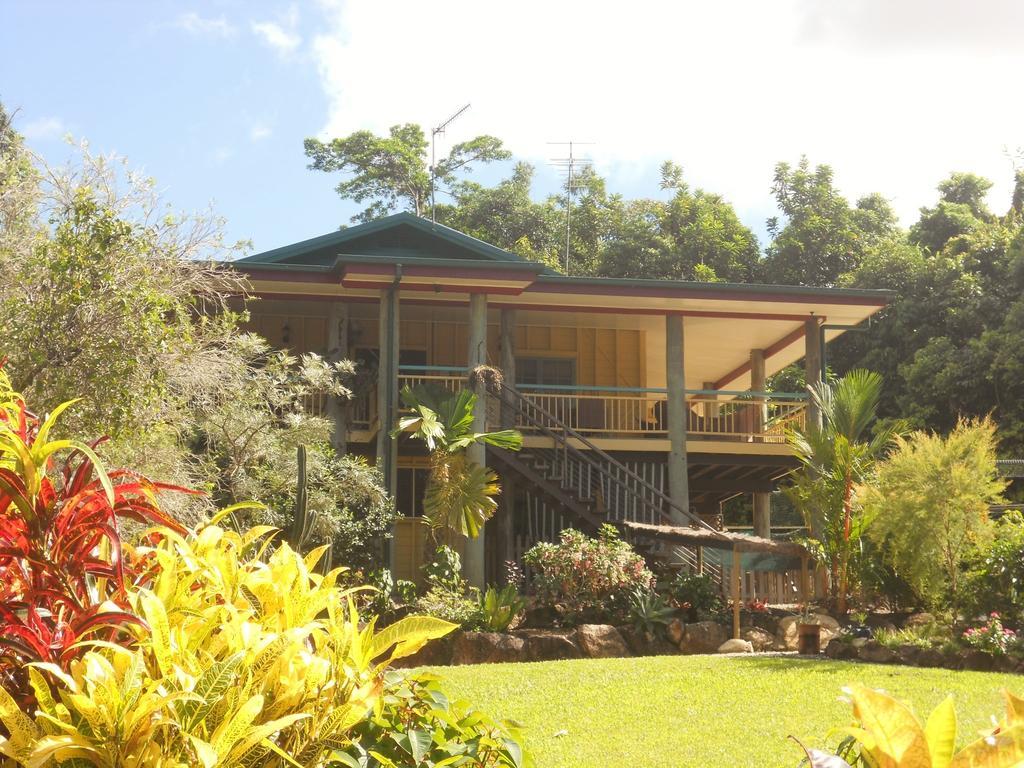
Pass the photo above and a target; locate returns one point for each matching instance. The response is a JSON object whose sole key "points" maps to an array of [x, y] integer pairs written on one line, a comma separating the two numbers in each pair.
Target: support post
{"points": [[387, 394], [812, 365], [678, 482], [737, 564], [337, 350], [477, 454], [762, 501], [504, 524], [805, 580]]}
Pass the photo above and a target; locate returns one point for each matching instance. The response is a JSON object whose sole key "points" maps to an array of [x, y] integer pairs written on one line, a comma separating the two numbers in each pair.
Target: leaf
{"points": [[1001, 750], [1014, 708], [940, 732], [237, 726], [24, 732], [818, 759], [419, 743], [895, 730], [160, 630], [210, 687], [408, 635]]}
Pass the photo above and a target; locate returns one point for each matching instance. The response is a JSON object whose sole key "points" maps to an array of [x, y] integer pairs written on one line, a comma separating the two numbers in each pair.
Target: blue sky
{"points": [[213, 99]]}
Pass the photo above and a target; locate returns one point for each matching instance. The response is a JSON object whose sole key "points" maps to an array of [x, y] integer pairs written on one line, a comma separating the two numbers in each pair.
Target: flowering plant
{"points": [[587, 579], [757, 606], [991, 636]]}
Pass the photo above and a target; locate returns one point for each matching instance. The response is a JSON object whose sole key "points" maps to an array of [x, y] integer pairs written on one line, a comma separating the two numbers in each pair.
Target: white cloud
{"points": [[198, 25], [259, 131], [43, 129], [281, 35], [725, 89]]}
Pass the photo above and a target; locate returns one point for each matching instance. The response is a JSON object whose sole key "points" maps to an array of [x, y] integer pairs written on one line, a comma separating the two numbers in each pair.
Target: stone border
{"points": [[873, 652]]}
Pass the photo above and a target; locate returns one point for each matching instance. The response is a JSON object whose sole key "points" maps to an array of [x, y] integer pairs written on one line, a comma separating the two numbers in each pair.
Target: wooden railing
{"points": [[715, 414]]}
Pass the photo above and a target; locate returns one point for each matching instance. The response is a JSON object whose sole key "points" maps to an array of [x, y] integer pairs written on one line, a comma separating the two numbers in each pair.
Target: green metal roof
{"points": [[405, 238], [400, 237]]}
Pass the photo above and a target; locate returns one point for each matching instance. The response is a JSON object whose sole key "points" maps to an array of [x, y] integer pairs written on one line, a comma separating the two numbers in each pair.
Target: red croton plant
{"points": [[63, 567]]}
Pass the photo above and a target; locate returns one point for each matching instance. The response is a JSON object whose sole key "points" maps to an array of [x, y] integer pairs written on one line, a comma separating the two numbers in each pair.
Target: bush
{"points": [[887, 733], [449, 597], [587, 579], [649, 612], [995, 579], [205, 649], [420, 727], [499, 608], [696, 594], [991, 637]]}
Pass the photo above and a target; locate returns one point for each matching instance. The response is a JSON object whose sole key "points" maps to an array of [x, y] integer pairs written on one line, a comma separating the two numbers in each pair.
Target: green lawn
{"points": [[701, 711]]}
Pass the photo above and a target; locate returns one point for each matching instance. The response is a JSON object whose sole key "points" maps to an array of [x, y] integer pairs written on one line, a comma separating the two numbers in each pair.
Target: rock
{"points": [[930, 657], [643, 644], [601, 641], [487, 648], [788, 635], [842, 651], [550, 644], [760, 639], [909, 654], [1006, 663], [674, 631], [436, 653], [702, 637], [977, 661], [736, 645], [876, 653], [919, 620]]}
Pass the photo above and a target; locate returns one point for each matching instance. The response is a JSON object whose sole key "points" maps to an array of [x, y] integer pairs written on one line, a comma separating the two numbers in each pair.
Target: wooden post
{"points": [[762, 501], [387, 397], [474, 565], [678, 482], [737, 565], [805, 580], [812, 365], [337, 349], [504, 524]]}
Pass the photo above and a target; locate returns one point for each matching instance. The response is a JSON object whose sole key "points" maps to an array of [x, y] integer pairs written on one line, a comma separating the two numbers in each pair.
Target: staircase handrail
{"points": [[593, 450]]}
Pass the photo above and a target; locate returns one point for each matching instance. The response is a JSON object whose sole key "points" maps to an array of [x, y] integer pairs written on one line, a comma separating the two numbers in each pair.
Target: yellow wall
{"points": [[604, 356], [410, 547]]}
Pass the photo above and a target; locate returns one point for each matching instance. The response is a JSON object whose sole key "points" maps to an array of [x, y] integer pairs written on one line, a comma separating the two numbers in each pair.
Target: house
{"points": [[640, 401]]}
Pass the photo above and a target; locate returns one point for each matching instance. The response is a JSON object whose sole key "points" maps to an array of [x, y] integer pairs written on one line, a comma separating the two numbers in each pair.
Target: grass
{"points": [[704, 711]]}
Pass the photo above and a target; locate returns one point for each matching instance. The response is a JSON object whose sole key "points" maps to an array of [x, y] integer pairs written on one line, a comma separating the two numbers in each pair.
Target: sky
{"points": [[214, 98]]}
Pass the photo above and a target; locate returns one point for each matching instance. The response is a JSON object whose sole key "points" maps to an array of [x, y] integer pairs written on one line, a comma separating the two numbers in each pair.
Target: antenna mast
{"points": [[570, 164], [433, 161]]}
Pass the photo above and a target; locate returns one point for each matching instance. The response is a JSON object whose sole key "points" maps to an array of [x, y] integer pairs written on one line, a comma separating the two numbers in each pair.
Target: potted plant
{"points": [[858, 626], [808, 632]]}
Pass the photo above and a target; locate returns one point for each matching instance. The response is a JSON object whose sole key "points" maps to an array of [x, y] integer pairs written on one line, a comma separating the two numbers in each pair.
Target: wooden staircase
{"points": [[574, 475]]}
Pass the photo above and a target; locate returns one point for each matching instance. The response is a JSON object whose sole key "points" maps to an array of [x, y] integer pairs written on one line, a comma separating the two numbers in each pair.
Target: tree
{"points": [[392, 171], [460, 494], [694, 236], [835, 459], [104, 290], [929, 506], [818, 242]]}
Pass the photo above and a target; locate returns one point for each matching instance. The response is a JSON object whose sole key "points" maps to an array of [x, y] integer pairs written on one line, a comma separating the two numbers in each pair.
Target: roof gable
{"points": [[402, 236]]}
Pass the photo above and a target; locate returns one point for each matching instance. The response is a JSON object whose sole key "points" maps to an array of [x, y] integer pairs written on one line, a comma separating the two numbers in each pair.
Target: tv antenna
{"points": [[569, 165], [433, 152]]}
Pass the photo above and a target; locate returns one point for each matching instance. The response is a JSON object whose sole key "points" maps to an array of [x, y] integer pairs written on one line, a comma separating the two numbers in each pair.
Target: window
{"points": [[409, 493], [546, 370]]}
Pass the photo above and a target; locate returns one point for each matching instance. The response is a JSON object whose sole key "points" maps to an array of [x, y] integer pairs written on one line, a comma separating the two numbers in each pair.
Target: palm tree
{"points": [[460, 493], [835, 458]]}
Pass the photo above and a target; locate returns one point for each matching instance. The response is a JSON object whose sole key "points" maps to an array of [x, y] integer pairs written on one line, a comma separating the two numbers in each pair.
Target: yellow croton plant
{"points": [[251, 658], [887, 734]]}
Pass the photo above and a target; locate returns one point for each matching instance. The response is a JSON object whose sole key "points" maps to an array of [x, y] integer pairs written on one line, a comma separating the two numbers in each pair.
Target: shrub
{"points": [[928, 508], [696, 594], [453, 606], [587, 579], [991, 637], [887, 733], [420, 727], [499, 608], [648, 611], [995, 579], [65, 575], [926, 636]]}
